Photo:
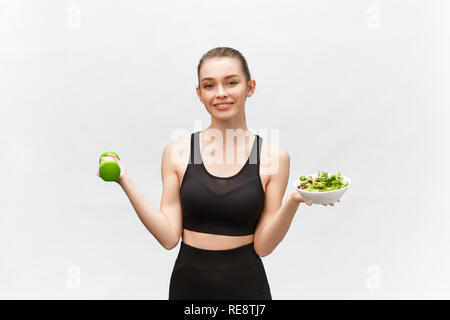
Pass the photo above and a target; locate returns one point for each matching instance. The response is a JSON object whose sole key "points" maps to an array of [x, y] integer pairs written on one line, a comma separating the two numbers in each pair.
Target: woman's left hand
{"points": [[297, 197]]}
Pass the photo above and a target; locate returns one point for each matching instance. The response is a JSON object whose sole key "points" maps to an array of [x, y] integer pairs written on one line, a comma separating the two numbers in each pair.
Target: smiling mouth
{"points": [[223, 106]]}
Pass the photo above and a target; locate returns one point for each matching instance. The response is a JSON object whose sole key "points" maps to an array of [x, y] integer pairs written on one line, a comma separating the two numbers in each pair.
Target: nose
{"points": [[221, 91]]}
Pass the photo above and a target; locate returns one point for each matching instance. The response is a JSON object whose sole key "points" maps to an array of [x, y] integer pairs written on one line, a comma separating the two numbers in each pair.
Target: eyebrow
{"points": [[231, 75]]}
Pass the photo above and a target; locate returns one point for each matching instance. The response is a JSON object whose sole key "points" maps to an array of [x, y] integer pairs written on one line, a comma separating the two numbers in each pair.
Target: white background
{"points": [[352, 86]]}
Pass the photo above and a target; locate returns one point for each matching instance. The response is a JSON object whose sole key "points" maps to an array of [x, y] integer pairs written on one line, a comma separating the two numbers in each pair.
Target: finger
{"points": [[113, 155], [104, 158], [109, 158]]}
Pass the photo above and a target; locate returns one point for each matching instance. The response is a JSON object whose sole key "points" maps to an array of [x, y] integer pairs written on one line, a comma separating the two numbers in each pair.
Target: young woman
{"points": [[228, 215]]}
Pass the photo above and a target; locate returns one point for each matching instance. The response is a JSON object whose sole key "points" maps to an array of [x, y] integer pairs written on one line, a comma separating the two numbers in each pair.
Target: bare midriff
{"points": [[214, 241]]}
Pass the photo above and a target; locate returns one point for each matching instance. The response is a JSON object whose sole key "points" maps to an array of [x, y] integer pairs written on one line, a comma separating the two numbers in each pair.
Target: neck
{"points": [[235, 141], [235, 125]]}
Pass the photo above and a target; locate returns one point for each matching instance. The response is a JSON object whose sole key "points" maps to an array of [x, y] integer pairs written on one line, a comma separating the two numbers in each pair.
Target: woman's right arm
{"points": [[164, 224]]}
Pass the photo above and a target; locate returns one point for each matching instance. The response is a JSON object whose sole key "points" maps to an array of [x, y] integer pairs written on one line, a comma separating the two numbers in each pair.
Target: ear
{"points": [[251, 88]]}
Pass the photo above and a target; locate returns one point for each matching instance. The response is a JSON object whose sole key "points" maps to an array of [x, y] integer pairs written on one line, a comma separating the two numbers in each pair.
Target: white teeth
{"points": [[222, 105]]}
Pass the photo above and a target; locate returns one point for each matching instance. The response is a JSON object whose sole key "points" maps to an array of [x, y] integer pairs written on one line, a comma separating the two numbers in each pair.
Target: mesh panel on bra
{"points": [[223, 185]]}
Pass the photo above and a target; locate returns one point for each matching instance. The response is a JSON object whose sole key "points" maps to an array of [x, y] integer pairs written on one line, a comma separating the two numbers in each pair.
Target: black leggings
{"points": [[236, 273]]}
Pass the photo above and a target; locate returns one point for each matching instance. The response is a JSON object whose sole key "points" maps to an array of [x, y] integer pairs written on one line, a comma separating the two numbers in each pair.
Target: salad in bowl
{"points": [[322, 188]]}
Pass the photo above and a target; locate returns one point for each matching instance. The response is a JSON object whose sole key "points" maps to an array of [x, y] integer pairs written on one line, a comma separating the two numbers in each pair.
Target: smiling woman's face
{"points": [[222, 81]]}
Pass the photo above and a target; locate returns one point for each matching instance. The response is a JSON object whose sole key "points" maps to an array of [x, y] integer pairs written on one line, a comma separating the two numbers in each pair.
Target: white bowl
{"points": [[325, 197]]}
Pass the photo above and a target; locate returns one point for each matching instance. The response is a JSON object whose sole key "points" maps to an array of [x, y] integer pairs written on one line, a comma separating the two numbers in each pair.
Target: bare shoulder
{"points": [[176, 153], [273, 158]]}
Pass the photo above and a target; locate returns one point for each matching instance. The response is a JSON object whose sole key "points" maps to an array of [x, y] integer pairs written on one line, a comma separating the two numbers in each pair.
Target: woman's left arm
{"points": [[276, 217]]}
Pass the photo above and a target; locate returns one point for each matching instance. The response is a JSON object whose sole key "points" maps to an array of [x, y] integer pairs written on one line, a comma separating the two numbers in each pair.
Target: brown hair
{"points": [[224, 52]]}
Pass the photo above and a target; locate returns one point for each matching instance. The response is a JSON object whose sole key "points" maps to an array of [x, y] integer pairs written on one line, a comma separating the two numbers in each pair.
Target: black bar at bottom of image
{"points": [[223, 309]]}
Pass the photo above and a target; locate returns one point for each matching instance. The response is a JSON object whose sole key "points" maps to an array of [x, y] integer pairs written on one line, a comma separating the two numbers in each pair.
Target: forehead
{"points": [[219, 68]]}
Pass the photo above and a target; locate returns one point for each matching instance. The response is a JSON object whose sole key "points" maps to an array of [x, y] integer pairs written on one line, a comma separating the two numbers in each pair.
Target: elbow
{"points": [[263, 254], [167, 246], [172, 240], [171, 245], [260, 252]]}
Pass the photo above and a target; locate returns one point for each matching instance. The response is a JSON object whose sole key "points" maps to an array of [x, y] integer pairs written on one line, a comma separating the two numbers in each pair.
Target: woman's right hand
{"points": [[112, 157]]}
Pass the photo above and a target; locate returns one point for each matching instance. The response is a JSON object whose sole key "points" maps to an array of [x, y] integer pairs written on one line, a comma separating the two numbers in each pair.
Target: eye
{"points": [[210, 85]]}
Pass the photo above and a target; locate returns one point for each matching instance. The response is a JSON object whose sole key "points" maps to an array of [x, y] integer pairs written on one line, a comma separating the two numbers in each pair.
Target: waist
{"points": [[209, 241]]}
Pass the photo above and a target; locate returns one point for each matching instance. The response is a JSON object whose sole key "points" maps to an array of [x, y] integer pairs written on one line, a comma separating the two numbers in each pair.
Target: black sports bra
{"points": [[222, 205]]}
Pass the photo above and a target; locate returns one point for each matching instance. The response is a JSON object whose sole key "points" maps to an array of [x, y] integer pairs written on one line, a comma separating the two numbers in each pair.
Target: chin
{"points": [[223, 115]]}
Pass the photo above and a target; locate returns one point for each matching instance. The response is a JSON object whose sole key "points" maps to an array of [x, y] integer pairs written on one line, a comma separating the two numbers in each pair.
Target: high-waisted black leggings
{"points": [[236, 273]]}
